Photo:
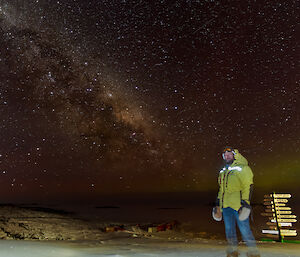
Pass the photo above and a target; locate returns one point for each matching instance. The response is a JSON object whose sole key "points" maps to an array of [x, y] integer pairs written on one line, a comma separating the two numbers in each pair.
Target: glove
{"points": [[244, 211], [216, 213]]}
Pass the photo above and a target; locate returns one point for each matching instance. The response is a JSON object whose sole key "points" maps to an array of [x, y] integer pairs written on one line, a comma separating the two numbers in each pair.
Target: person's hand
{"points": [[244, 211], [216, 213], [245, 204]]}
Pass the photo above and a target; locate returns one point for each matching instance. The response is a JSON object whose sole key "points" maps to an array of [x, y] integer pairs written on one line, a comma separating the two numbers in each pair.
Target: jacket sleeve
{"points": [[246, 178], [219, 197]]}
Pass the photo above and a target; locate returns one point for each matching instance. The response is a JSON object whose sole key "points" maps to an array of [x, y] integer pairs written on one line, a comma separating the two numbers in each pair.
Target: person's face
{"points": [[229, 157]]}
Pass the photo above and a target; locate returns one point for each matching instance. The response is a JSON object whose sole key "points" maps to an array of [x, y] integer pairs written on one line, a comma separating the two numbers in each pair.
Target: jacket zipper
{"points": [[225, 177], [223, 189]]}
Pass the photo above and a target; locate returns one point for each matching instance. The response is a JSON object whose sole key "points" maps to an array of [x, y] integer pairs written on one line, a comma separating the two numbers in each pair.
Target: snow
{"points": [[137, 247]]}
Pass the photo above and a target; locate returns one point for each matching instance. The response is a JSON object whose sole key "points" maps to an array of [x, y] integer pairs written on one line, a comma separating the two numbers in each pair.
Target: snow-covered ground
{"points": [[136, 247], [197, 235]]}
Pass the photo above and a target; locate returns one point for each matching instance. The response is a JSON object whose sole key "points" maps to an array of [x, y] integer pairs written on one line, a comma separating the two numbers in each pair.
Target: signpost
{"points": [[280, 216]]}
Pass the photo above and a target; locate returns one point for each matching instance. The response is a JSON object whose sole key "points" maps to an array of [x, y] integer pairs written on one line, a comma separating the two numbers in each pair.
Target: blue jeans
{"points": [[231, 217]]}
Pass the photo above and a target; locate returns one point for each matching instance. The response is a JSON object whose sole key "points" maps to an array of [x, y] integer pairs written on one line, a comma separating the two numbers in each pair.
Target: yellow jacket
{"points": [[235, 182]]}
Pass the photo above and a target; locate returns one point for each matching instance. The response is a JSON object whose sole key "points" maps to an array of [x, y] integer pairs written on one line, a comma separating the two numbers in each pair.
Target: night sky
{"points": [[117, 96]]}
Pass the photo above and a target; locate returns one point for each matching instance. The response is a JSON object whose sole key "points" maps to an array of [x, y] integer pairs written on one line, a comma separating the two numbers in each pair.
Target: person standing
{"points": [[233, 201]]}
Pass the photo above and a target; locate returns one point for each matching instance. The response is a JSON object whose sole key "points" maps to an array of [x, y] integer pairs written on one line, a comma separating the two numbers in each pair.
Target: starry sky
{"points": [[117, 96]]}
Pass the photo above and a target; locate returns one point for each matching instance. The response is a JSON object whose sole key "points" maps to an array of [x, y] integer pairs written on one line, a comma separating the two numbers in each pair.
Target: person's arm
{"points": [[219, 198], [246, 178], [220, 192], [217, 210]]}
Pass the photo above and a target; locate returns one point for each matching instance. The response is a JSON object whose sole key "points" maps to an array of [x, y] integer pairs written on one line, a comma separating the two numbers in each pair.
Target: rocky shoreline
{"points": [[34, 223], [19, 222]]}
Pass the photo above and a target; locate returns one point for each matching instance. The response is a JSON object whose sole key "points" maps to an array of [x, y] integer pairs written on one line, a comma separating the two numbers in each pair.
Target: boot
{"points": [[233, 254]]}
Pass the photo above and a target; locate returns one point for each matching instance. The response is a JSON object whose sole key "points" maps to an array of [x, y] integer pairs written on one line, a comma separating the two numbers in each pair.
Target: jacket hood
{"points": [[239, 159]]}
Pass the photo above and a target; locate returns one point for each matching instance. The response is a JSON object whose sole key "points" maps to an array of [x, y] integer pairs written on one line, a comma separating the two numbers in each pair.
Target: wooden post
{"points": [[276, 218], [280, 217]]}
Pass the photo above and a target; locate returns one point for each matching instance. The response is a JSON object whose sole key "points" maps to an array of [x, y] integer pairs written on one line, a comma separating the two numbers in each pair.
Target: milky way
{"points": [[130, 96]]}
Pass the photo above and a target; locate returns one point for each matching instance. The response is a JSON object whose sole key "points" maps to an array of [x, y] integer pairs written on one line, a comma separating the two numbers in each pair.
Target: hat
{"points": [[228, 149]]}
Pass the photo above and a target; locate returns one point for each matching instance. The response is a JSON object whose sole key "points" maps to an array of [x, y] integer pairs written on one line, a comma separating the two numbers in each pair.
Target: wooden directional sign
{"points": [[283, 232], [285, 220], [280, 216], [276, 196], [281, 224]]}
